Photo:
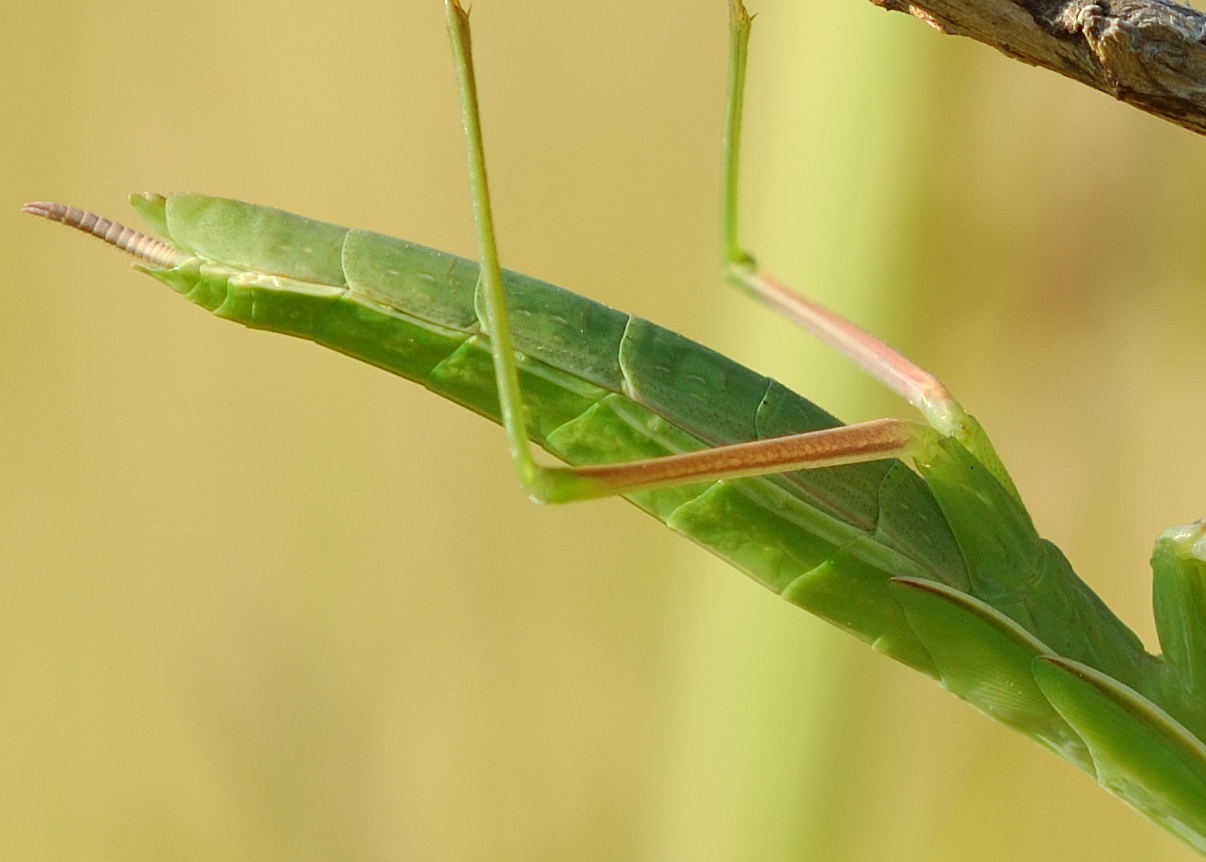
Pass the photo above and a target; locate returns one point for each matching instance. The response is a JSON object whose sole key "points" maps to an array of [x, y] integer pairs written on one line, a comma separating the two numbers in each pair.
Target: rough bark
{"points": [[1147, 53]]}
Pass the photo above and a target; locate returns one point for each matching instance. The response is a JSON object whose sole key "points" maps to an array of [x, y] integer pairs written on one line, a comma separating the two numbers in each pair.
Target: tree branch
{"points": [[1147, 53]]}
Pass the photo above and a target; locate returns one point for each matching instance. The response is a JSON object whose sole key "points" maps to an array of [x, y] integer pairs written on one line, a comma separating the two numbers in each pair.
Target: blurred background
{"points": [[263, 602]]}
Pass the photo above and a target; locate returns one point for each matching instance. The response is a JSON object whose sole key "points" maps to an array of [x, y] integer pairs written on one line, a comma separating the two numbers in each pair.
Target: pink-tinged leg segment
{"points": [[847, 444], [916, 385]]}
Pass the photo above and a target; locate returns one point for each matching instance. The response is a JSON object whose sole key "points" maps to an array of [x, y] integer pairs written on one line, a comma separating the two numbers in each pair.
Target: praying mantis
{"points": [[942, 572]]}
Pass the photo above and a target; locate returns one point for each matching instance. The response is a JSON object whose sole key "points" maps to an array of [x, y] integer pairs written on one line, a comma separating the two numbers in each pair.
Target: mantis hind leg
{"points": [[916, 385], [879, 439]]}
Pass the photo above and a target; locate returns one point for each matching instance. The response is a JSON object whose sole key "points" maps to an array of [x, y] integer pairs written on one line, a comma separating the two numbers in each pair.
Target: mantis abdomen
{"points": [[599, 384]]}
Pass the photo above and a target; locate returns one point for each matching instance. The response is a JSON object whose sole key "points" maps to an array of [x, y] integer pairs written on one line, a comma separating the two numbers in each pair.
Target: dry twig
{"points": [[1147, 53]]}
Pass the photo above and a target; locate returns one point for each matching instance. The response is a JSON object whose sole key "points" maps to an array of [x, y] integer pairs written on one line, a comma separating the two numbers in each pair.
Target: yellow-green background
{"points": [[262, 602]]}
